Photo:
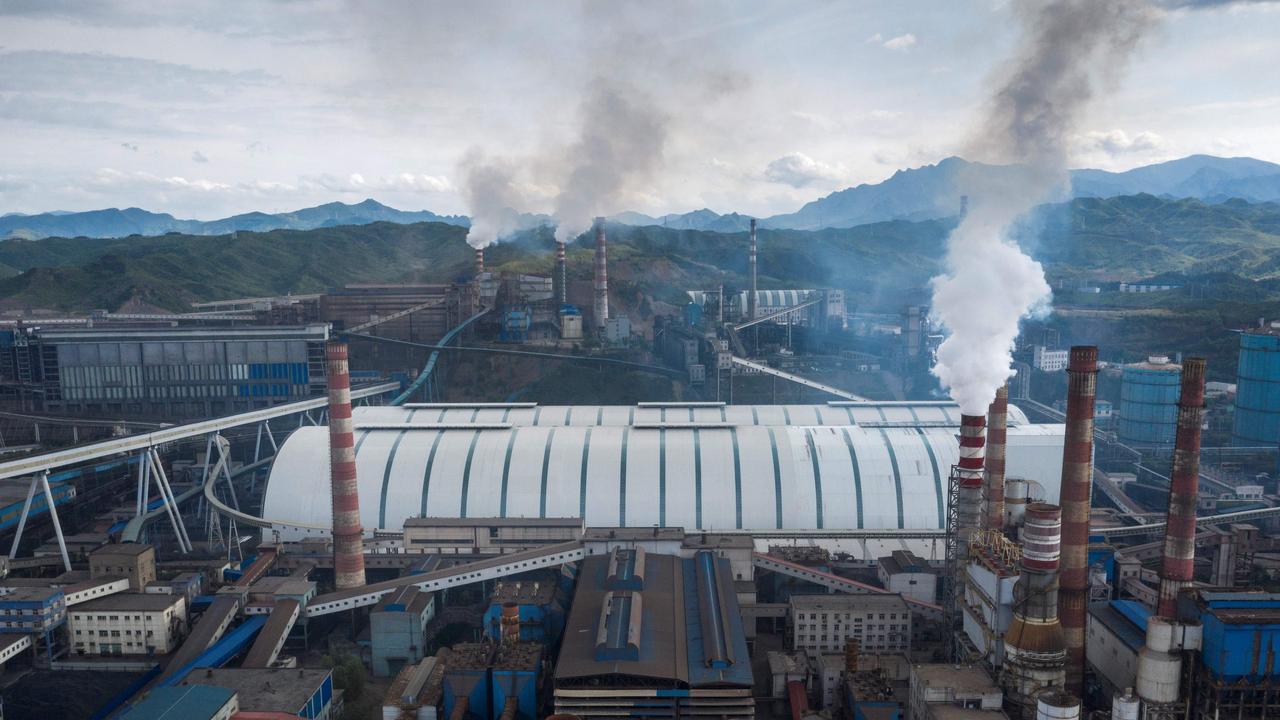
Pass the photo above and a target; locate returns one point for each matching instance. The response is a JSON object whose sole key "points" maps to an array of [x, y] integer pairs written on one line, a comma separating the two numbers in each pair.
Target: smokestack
{"points": [[561, 277], [751, 260], [602, 277], [1077, 485], [997, 424], [969, 470], [1180, 532], [1035, 648], [348, 536], [479, 263]]}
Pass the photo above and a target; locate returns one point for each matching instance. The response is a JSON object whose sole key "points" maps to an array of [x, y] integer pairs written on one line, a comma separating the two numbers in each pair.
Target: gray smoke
{"points": [[493, 197], [1071, 49], [620, 145]]}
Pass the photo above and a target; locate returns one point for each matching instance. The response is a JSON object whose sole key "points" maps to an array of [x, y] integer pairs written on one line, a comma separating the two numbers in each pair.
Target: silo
{"points": [[1149, 403], [1257, 418]]}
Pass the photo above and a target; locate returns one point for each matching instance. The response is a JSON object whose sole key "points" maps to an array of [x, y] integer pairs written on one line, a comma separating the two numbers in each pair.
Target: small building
{"points": [[617, 330], [938, 691], [32, 610], [1116, 632], [830, 673], [186, 702], [128, 624], [486, 536], [1046, 360], [822, 623], [397, 629], [135, 561], [785, 668], [909, 575], [297, 692], [570, 322]]}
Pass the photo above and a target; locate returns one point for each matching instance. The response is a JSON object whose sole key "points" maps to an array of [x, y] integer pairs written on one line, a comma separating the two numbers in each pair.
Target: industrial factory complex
{"points": [[286, 507]]}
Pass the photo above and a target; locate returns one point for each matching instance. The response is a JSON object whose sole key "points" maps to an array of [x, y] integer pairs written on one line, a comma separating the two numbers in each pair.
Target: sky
{"points": [[204, 110]]}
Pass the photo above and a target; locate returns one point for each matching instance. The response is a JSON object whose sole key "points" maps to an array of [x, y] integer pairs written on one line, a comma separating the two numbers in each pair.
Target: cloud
{"points": [[197, 156], [901, 42], [112, 180], [256, 147], [48, 72], [11, 183], [131, 147], [798, 170], [358, 183], [1119, 142]]}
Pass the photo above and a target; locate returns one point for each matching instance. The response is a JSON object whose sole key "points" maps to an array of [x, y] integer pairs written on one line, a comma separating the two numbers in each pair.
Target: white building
{"points": [[822, 623], [909, 575], [1046, 360], [128, 624]]}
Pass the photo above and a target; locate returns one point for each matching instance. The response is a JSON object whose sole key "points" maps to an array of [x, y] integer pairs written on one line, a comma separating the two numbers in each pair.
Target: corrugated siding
{"points": [[710, 478]]}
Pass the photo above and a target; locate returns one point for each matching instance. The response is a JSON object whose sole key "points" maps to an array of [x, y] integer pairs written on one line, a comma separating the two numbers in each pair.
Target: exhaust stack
{"points": [[1077, 486], [997, 435], [601, 284], [751, 260], [1180, 531], [561, 276], [479, 263], [348, 536], [969, 469], [1035, 649]]}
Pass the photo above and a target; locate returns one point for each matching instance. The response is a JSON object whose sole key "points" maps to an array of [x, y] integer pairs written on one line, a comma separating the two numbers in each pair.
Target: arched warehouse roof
{"points": [[713, 476], [871, 414]]}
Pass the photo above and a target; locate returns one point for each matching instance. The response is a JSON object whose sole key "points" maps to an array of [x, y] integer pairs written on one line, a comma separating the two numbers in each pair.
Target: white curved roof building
{"points": [[761, 467]]}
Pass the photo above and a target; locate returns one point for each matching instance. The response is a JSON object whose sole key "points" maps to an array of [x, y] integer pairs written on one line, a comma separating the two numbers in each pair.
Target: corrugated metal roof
{"points": [[747, 477]]}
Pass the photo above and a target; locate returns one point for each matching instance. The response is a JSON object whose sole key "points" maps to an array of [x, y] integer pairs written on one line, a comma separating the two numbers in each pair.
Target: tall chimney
{"points": [[348, 536], [602, 278], [1077, 485], [997, 433], [751, 260], [1034, 647], [969, 470], [479, 263], [1180, 531], [561, 277]]}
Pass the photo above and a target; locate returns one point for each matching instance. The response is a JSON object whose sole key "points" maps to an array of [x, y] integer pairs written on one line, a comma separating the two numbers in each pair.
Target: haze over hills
{"points": [[927, 192], [113, 222]]}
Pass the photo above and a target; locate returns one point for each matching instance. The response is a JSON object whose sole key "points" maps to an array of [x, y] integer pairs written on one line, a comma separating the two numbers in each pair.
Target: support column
{"points": [[53, 515]]}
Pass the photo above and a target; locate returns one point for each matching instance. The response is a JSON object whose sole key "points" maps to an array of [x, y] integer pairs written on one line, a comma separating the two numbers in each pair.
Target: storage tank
{"points": [[1149, 402], [1257, 416], [1126, 706], [1057, 705]]}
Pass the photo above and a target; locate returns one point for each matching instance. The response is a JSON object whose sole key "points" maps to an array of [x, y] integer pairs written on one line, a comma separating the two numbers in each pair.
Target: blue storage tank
{"points": [[1149, 394], [1257, 420]]}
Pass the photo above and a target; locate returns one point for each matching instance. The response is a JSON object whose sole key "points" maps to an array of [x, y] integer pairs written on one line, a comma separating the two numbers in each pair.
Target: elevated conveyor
{"points": [[207, 631], [271, 640], [837, 583], [760, 367]]}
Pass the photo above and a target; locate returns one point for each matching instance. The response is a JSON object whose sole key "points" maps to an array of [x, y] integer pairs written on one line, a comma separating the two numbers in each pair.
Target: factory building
{"points": [[653, 634], [823, 623], [32, 610], [486, 536], [190, 702], [128, 624], [936, 691], [1257, 414], [135, 561], [857, 465], [397, 629], [172, 372], [1149, 403], [274, 692], [909, 575], [1116, 633]]}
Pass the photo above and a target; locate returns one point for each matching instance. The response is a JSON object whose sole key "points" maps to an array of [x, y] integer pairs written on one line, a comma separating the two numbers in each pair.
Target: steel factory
{"points": [[306, 511]]}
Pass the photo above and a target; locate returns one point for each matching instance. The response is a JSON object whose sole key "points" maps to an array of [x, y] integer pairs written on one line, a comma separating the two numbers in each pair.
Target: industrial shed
{"points": [[698, 474]]}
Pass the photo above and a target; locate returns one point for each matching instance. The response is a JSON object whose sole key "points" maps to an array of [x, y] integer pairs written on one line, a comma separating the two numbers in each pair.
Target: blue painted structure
{"points": [[692, 314], [1149, 403], [1257, 414], [515, 325], [109, 707], [873, 710], [1241, 634], [1104, 555], [232, 643], [518, 680], [468, 681], [540, 603], [188, 702]]}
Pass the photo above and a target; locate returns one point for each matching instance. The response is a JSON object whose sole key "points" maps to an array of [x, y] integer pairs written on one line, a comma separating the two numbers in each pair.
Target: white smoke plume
{"points": [[493, 197], [620, 145], [1070, 50]]}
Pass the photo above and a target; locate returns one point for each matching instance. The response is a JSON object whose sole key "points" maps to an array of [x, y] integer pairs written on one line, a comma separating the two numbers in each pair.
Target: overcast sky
{"points": [[209, 109]]}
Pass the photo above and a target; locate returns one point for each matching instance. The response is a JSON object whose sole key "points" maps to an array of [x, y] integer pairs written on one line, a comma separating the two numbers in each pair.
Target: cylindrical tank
{"points": [[1126, 706], [1160, 662], [1257, 414], [1042, 537], [1057, 705], [1149, 402], [1015, 503]]}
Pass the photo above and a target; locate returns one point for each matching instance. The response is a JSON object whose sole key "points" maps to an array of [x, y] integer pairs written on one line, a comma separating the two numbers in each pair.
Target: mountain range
{"points": [[923, 193]]}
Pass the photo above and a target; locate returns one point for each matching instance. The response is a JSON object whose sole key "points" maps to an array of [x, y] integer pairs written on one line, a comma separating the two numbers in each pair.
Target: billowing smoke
{"points": [[620, 144], [492, 195], [1070, 50]]}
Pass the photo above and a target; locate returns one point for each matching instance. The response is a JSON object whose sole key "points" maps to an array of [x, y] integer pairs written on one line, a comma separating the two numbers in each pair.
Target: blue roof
{"points": [[1123, 623], [702, 617], [1133, 611], [186, 702]]}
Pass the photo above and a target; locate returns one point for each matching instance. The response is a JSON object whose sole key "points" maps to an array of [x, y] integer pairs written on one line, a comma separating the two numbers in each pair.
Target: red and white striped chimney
{"points": [[561, 279], [479, 262], [1077, 486], [601, 284], [997, 435], [969, 469], [348, 536], [1184, 484]]}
